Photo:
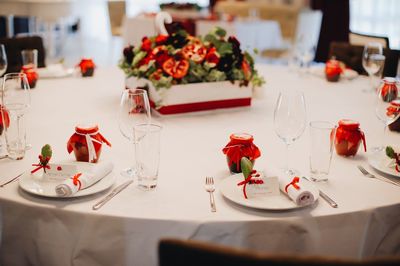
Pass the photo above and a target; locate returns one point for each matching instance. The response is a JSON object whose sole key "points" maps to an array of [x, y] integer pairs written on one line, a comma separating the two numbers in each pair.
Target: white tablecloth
{"points": [[126, 231]]}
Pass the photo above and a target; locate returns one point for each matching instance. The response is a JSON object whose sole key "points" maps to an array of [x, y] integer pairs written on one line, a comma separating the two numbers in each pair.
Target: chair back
{"points": [[116, 14], [173, 252], [3, 26], [351, 55], [362, 39], [14, 46]]}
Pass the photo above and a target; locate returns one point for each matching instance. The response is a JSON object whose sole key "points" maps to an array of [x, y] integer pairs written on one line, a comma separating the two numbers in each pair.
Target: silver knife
{"points": [[114, 192], [325, 197]]}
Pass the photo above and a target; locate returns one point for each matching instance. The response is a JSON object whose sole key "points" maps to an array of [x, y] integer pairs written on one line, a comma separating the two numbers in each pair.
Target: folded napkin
{"points": [[83, 180], [301, 192]]}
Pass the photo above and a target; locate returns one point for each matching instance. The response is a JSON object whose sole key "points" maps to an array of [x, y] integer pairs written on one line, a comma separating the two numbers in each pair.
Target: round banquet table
{"points": [[42, 231]]}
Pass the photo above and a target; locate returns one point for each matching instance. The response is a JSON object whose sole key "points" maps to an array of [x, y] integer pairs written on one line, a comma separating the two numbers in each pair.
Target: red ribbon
{"points": [[76, 181], [39, 166], [235, 152], [293, 183], [249, 180], [42, 164]]}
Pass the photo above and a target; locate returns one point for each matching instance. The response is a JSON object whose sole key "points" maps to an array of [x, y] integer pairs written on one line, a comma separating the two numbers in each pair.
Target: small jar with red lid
{"points": [[240, 145], [87, 67], [348, 138], [86, 143], [31, 75], [388, 89], [333, 70], [394, 110]]}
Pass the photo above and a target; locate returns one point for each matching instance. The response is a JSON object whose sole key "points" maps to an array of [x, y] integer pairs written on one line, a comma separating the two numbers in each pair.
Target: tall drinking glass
{"points": [[134, 110], [373, 62], [15, 102], [290, 120], [3, 60], [387, 93]]}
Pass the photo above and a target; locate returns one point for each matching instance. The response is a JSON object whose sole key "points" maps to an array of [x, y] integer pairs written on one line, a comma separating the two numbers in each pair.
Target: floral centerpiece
{"points": [[167, 61]]}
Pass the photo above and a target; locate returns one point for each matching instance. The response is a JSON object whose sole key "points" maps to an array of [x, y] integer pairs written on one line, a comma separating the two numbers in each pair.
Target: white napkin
{"points": [[85, 179], [302, 193]]}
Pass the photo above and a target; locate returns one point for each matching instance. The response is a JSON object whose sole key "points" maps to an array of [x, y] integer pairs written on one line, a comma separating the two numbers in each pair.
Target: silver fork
{"points": [[382, 178], [210, 189]]}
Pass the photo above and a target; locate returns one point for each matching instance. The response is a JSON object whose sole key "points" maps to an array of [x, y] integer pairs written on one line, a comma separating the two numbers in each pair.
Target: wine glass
{"points": [[290, 120], [3, 60], [373, 61], [16, 100], [134, 110], [386, 105]]}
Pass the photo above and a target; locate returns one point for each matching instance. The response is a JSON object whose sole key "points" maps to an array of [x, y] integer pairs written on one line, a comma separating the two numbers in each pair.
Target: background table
{"points": [[126, 231]]}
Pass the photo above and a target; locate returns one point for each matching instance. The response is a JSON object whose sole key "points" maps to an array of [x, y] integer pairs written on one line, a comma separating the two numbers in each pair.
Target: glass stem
{"points": [[383, 136], [287, 157]]}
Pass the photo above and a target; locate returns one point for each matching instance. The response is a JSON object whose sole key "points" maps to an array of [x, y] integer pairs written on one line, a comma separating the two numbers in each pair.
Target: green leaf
{"points": [[247, 166], [220, 32], [139, 56], [46, 151], [225, 48], [390, 152]]}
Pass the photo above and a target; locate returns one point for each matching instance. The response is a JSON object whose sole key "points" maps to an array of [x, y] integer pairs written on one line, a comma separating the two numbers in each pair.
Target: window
{"points": [[375, 17]]}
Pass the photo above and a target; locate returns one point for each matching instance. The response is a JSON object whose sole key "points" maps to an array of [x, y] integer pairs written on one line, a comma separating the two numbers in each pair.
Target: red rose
{"points": [[160, 54], [146, 44], [212, 57], [161, 39]]}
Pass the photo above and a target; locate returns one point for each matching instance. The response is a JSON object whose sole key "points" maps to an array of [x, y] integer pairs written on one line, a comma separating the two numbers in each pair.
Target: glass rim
{"points": [[321, 124], [135, 91], [14, 74], [151, 127]]}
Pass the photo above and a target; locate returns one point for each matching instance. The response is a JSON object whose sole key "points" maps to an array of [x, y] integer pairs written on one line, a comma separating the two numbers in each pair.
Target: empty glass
{"points": [[290, 120], [373, 62], [30, 58], [134, 110], [322, 137], [3, 60], [147, 149], [387, 93], [15, 102]]}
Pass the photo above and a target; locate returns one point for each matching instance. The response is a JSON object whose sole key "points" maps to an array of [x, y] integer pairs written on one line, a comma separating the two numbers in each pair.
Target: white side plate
{"points": [[231, 191]]}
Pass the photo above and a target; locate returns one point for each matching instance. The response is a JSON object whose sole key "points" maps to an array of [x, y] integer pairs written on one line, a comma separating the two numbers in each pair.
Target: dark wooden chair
{"points": [[14, 46], [356, 38], [3, 26], [351, 55], [173, 252]]}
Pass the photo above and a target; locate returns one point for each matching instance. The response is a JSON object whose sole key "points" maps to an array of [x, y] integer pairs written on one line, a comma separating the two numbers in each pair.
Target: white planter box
{"points": [[195, 96]]}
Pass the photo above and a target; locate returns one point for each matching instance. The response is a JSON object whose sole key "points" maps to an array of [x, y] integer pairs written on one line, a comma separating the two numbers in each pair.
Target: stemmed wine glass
{"points": [[16, 100], [290, 120], [387, 105], [134, 110], [3, 60], [373, 61]]}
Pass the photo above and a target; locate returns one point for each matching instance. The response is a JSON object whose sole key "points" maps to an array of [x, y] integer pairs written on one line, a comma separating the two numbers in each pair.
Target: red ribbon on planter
{"points": [[249, 180], [42, 164]]}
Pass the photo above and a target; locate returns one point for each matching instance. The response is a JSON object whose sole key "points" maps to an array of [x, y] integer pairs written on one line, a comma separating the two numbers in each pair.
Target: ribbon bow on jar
{"points": [[86, 143]]}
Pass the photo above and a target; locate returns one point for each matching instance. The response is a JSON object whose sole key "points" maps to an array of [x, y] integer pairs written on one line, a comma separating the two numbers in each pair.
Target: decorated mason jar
{"points": [[86, 143], [388, 88], [333, 70], [31, 75], [240, 145], [394, 110], [348, 138], [87, 67]]}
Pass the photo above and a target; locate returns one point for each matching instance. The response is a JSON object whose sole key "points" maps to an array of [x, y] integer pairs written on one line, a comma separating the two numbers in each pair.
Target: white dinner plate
{"points": [[54, 71], [319, 70], [43, 186], [379, 161], [233, 192]]}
